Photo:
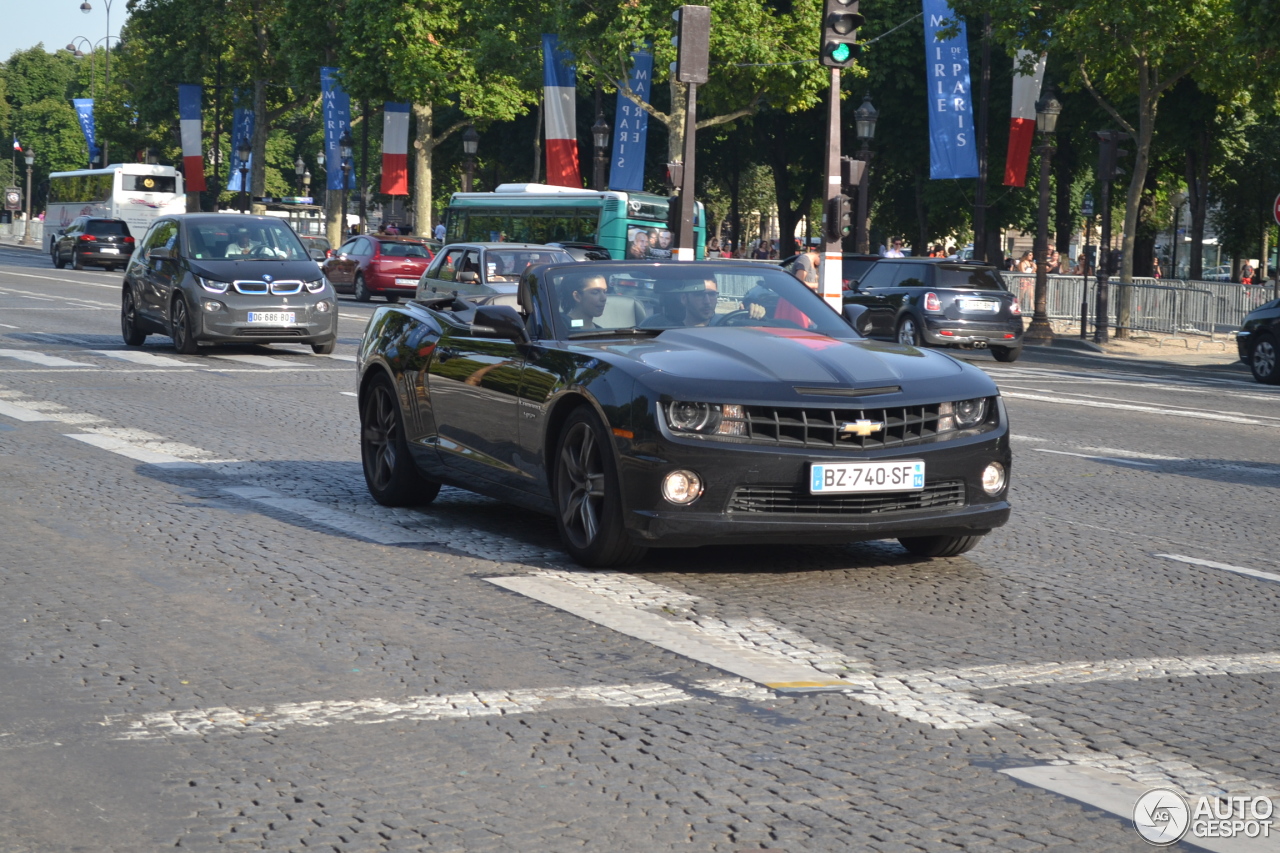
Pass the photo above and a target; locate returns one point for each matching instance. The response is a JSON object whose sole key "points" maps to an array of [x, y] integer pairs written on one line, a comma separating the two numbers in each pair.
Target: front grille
{"points": [[284, 287], [252, 288], [270, 333], [794, 427], [787, 500]]}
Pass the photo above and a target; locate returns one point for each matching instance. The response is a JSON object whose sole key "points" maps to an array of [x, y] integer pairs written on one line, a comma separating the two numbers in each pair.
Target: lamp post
{"points": [[1047, 110], [345, 146], [1179, 199], [106, 76], [470, 143], [243, 151], [30, 156], [864, 118], [600, 133], [299, 166], [306, 184]]}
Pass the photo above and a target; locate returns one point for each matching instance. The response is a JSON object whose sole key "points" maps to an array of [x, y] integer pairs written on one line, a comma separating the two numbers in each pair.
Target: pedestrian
{"points": [[393, 229], [1055, 263], [440, 231], [1246, 273], [1155, 268], [1026, 264], [896, 251]]}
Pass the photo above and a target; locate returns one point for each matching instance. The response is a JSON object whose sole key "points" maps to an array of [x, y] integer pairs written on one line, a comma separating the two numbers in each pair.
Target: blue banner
{"points": [[631, 128], [84, 110], [952, 153], [241, 134], [336, 106]]}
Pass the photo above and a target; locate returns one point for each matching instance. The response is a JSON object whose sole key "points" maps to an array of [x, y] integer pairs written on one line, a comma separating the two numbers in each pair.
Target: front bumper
{"points": [[1244, 346], [230, 323], [755, 494], [941, 331]]}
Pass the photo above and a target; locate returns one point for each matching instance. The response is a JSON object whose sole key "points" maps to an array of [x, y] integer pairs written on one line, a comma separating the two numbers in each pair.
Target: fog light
{"points": [[993, 479], [323, 307], [212, 305], [681, 487]]}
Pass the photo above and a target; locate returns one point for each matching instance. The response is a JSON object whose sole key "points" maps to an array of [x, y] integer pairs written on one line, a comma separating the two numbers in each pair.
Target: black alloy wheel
{"points": [[1006, 354], [58, 262], [1263, 362], [361, 289], [77, 262], [389, 471], [184, 337], [908, 333], [133, 336], [588, 504], [939, 546]]}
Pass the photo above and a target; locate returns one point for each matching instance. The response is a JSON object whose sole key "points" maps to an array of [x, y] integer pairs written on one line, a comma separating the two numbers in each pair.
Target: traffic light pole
{"points": [[832, 269], [685, 239], [1101, 319]]}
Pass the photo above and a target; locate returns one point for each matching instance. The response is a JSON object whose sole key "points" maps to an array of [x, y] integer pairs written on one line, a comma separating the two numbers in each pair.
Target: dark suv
{"points": [[937, 302], [1259, 342], [226, 278], [90, 240]]}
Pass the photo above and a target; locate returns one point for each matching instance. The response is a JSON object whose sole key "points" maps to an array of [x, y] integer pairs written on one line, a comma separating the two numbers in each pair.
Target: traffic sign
{"points": [[12, 198]]}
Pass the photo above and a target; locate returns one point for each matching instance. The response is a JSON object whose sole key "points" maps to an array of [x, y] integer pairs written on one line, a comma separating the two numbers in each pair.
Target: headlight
{"points": [[962, 414], [212, 285], [706, 418], [315, 286]]}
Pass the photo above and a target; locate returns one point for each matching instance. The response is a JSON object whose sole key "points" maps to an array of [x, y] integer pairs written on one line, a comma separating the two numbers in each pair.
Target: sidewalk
{"points": [[1185, 350]]}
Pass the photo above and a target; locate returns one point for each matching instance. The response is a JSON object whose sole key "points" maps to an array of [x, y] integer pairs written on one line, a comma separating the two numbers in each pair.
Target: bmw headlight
{"points": [[706, 418], [315, 286], [213, 285], [962, 414]]}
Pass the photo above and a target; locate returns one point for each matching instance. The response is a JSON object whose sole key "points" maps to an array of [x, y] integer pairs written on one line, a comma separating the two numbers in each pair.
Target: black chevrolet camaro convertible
{"points": [[680, 404]]}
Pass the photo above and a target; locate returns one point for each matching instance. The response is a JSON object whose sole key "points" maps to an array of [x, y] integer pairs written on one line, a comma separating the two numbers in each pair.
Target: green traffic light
{"points": [[841, 52]]}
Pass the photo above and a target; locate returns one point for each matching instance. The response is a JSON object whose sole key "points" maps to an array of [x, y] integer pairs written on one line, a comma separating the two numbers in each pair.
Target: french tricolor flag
{"points": [[192, 154], [395, 149], [1022, 123], [559, 93]]}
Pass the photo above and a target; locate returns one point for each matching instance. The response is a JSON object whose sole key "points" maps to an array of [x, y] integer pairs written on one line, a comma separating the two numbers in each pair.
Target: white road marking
{"points": [[354, 316], [1130, 407], [257, 360], [65, 280], [1226, 567], [131, 451], [40, 358], [1114, 793], [352, 525], [341, 357], [19, 413], [349, 393], [1120, 460], [140, 357], [54, 411], [457, 706], [7, 326]]}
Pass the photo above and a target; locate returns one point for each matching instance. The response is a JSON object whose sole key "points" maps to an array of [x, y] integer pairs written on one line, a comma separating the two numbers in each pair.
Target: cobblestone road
{"points": [[211, 637]]}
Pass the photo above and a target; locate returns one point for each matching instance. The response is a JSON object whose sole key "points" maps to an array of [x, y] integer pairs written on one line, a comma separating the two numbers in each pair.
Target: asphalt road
{"points": [[211, 637]]}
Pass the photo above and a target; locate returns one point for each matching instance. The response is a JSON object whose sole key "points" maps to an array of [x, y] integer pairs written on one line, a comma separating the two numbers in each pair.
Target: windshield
{"points": [[966, 277], [596, 299], [266, 239], [393, 249], [508, 264]]}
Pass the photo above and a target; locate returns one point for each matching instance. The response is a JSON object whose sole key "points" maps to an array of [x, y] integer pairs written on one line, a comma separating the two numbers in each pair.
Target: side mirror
{"points": [[160, 253], [501, 320], [852, 314], [468, 278]]}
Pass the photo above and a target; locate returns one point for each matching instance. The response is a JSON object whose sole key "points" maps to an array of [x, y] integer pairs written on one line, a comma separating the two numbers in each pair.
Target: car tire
{"points": [[1264, 361], [180, 325], [393, 297], [133, 336], [325, 348], [908, 333], [939, 546], [1006, 354], [58, 262], [77, 263], [588, 496], [389, 470], [361, 289]]}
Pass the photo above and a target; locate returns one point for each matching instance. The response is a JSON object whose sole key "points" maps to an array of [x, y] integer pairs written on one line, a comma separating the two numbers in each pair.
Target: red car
{"points": [[376, 263]]}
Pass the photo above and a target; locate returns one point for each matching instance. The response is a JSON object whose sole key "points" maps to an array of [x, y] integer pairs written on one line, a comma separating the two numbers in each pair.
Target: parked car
{"points": [[1258, 342], [938, 302], [472, 269], [220, 278], [635, 434], [370, 264], [93, 241]]}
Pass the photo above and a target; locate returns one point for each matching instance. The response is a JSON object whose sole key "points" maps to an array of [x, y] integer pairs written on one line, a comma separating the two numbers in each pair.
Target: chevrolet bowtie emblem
{"points": [[861, 427]]}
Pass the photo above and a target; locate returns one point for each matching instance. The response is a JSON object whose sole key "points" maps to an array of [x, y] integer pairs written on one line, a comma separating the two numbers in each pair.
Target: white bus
{"points": [[138, 193]]}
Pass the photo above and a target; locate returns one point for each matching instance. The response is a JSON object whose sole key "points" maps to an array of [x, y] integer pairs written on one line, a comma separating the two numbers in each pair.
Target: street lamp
{"points": [[299, 166], [30, 156], [243, 151], [306, 184], [345, 144], [470, 143], [1047, 111], [864, 118], [1179, 199], [106, 77], [600, 133]]}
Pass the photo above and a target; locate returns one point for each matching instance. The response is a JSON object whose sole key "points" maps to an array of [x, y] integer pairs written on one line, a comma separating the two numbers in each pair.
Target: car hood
{"points": [[255, 268], [791, 364]]}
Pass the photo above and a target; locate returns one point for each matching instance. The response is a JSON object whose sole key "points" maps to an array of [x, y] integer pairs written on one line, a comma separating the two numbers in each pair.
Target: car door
{"points": [[878, 319], [160, 271], [341, 268], [474, 384], [67, 240], [441, 276]]}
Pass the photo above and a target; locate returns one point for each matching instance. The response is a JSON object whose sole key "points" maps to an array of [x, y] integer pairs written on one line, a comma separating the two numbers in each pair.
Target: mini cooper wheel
{"points": [[1006, 354], [587, 494], [129, 330], [180, 328], [361, 289], [1263, 362], [908, 333], [939, 546], [389, 471]]}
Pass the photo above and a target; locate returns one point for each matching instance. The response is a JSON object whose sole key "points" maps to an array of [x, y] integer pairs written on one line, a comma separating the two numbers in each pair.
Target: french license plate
{"points": [[109, 250], [278, 318], [979, 305], [901, 475], [407, 282]]}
